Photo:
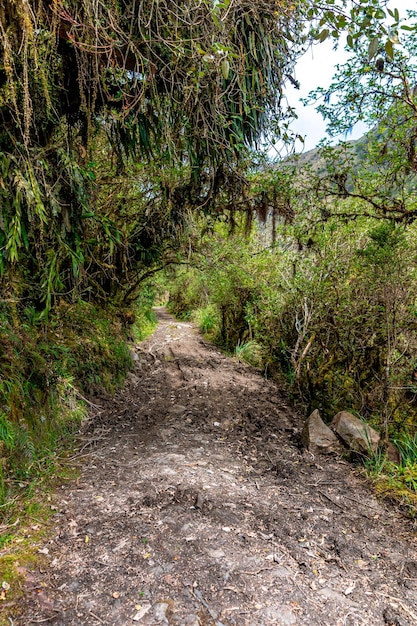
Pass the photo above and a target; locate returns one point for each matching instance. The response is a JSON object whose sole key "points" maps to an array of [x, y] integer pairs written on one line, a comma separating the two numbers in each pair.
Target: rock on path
{"points": [[196, 506]]}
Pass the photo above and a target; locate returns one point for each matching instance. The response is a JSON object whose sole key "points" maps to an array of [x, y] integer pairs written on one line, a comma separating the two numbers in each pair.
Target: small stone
{"points": [[334, 596], [391, 617], [216, 554], [393, 453], [177, 409], [190, 620], [281, 572], [199, 501], [160, 612], [281, 616], [134, 355]]}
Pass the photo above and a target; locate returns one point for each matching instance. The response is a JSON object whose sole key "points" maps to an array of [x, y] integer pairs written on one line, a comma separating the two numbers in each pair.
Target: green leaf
{"points": [[389, 49], [225, 65], [323, 35], [373, 48]]}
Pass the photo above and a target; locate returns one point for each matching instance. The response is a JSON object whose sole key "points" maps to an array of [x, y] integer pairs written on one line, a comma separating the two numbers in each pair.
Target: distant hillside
{"points": [[313, 158]]}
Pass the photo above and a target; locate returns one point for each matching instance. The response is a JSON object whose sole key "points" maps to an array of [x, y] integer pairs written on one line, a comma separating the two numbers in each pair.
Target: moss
{"points": [[22, 558], [397, 482]]}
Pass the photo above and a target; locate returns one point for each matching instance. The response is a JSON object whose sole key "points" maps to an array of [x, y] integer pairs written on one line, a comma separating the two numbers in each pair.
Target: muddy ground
{"points": [[197, 507]]}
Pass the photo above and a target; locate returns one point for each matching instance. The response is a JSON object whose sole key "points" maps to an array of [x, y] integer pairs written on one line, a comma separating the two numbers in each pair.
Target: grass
{"points": [[407, 446], [21, 555], [396, 481], [144, 325], [249, 352], [29, 523], [207, 319], [46, 368]]}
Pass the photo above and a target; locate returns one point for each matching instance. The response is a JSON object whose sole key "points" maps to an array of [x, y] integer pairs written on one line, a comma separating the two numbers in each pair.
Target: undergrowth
{"points": [[48, 368], [249, 352], [396, 481], [207, 320]]}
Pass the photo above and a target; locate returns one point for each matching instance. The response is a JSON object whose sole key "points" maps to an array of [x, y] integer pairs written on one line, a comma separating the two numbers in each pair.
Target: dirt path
{"points": [[196, 507]]}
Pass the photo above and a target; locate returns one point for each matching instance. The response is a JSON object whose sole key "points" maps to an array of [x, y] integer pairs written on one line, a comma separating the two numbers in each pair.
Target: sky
{"points": [[316, 69]]}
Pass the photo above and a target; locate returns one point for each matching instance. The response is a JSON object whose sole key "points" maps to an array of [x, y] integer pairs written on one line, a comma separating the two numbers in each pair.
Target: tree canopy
{"points": [[90, 90]]}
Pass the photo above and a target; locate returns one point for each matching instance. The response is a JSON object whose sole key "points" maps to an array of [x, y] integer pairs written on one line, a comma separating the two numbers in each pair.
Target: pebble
{"points": [[216, 554]]}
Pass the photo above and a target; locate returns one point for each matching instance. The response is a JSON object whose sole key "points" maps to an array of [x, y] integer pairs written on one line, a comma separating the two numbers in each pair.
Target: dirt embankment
{"points": [[196, 507]]}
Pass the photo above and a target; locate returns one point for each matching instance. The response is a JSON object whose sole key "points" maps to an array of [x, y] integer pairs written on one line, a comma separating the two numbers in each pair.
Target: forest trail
{"points": [[196, 506]]}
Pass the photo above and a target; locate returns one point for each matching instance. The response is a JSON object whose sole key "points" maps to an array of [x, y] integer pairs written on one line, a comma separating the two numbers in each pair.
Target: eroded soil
{"points": [[196, 506]]}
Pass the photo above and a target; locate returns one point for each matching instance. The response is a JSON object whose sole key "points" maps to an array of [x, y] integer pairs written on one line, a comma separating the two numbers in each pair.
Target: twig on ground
{"points": [[368, 506], [342, 508], [41, 620]]}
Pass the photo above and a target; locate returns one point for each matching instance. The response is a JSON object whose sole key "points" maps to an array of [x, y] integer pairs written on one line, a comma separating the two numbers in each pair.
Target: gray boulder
{"points": [[357, 435], [317, 437]]}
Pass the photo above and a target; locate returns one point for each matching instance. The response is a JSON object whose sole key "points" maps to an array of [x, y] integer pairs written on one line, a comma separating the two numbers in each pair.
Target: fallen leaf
{"points": [[142, 612]]}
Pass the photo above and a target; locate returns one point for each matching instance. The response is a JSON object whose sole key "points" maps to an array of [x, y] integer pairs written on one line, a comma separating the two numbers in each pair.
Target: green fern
{"points": [[7, 431]]}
